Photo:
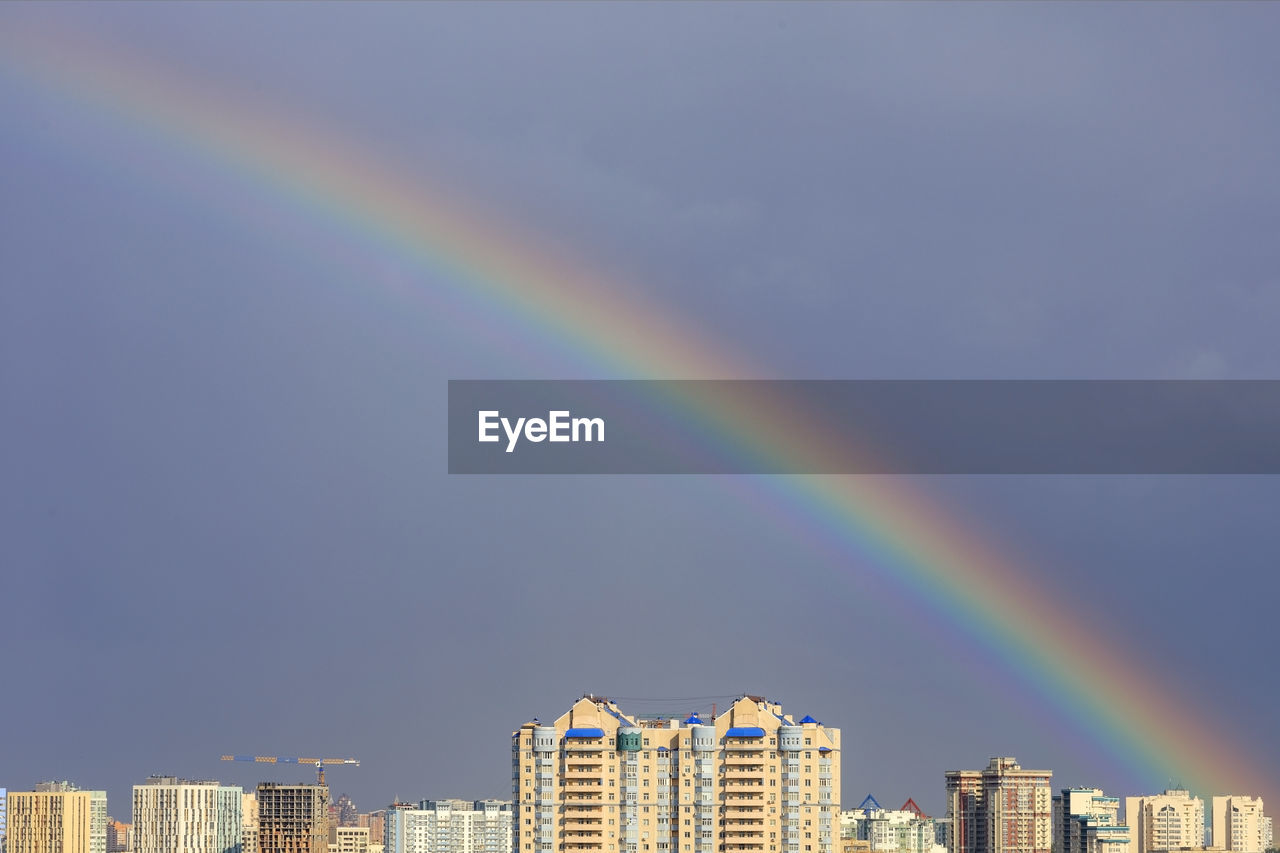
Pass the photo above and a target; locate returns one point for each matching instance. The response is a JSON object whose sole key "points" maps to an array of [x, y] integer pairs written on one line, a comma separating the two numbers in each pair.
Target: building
{"points": [[119, 836], [348, 839], [1085, 820], [1002, 809], [1165, 821], [376, 822], [4, 802], [904, 830], [449, 826], [751, 779], [343, 812], [172, 815], [57, 819], [293, 818], [1240, 825], [248, 822]]}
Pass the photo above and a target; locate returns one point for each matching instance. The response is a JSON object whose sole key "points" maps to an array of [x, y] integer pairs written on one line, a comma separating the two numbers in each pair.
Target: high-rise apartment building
{"points": [[1085, 820], [249, 822], [751, 780], [1164, 821], [449, 826], [58, 819], [4, 805], [293, 818], [1239, 824], [1002, 809], [119, 836], [173, 815]]}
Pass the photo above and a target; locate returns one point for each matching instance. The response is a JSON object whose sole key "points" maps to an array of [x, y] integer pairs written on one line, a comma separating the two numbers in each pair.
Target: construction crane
{"points": [[318, 763]]}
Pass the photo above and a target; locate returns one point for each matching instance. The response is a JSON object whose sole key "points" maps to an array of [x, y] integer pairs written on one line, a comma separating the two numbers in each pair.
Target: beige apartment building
{"points": [[249, 822], [1167, 821], [1002, 809], [348, 839], [171, 815], [59, 819], [1239, 824], [749, 780], [293, 818]]}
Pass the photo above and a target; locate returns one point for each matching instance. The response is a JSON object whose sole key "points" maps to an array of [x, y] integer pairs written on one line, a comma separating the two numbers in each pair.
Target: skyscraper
{"points": [[1002, 809], [1240, 825], [172, 815], [751, 780], [1165, 821], [293, 818], [58, 819]]}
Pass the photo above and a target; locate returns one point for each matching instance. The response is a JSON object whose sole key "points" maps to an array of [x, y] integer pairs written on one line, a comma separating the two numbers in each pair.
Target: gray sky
{"points": [[226, 525]]}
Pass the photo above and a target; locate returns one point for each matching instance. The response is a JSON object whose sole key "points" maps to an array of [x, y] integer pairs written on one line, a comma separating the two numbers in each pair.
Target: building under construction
{"points": [[293, 818]]}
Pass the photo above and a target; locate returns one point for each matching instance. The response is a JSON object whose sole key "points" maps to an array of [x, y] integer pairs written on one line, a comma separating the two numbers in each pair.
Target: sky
{"points": [[226, 524]]}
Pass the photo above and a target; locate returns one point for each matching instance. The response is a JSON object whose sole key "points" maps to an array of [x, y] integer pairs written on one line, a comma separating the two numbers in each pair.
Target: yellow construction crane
{"points": [[318, 763]]}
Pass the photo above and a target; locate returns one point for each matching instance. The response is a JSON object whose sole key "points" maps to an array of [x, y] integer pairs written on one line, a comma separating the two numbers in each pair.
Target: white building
{"points": [[1240, 825], [1164, 821], [180, 816], [450, 826], [892, 830]]}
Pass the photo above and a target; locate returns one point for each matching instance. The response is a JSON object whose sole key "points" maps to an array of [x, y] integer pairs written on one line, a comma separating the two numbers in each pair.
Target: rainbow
{"points": [[878, 522]]}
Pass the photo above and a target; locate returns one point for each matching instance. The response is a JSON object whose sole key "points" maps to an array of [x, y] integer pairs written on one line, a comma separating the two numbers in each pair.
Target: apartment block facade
{"points": [[750, 780], [57, 819], [1085, 820], [449, 826], [119, 836], [1165, 821], [891, 830], [173, 815], [293, 818], [1002, 809], [348, 839], [1240, 824]]}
